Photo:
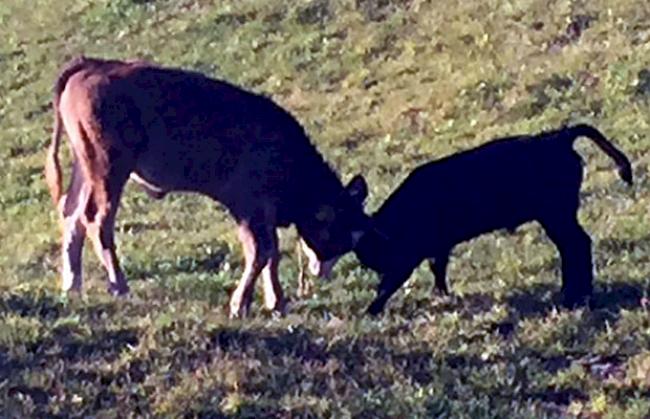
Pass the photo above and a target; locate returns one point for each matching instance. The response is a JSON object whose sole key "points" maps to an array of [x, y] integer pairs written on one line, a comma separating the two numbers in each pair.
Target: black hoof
{"points": [[573, 301]]}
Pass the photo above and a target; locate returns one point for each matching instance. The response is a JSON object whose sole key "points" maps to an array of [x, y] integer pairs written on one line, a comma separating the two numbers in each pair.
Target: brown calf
{"points": [[176, 130]]}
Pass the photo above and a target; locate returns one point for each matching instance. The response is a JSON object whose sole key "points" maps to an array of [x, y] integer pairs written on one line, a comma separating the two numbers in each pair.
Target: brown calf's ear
{"points": [[357, 188]]}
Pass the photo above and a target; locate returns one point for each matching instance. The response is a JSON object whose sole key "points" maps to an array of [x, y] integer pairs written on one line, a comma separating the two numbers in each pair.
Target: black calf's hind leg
{"points": [[439, 268], [574, 246]]}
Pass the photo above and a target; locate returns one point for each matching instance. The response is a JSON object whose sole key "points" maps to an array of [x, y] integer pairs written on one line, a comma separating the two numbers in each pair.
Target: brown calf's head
{"points": [[335, 228]]}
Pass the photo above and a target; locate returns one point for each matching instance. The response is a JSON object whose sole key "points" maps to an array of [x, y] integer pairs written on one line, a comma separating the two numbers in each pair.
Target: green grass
{"points": [[381, 86]]}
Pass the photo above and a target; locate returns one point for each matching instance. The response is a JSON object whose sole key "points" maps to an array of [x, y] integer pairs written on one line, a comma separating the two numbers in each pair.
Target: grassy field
{"points": [[381, 86]]}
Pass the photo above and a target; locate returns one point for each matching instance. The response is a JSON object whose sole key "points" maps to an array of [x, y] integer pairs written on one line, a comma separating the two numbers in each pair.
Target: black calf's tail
{"points": [[624, 166]]}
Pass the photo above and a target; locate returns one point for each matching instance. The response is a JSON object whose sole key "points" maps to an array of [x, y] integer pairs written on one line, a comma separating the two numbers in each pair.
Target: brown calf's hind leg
{"points": [[100, 212], [259, 248], [71, 207], [74, 233], [105, 164], [73, 239]]}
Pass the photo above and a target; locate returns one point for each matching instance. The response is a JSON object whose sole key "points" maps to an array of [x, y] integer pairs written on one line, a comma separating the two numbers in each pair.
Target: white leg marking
{"points": [[106, 254], [137, 179], [73, 239], [260, 244], [242, 296], [273, 298], [317, 267], [74, 233]]}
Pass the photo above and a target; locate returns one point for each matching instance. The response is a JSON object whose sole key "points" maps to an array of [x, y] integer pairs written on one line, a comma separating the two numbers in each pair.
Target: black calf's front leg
{"points": [[387, 287], [390, 282]]}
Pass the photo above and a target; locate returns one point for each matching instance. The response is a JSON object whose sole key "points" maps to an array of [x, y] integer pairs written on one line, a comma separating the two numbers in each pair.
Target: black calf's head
{"points": [[377, 252], [335, 228]]}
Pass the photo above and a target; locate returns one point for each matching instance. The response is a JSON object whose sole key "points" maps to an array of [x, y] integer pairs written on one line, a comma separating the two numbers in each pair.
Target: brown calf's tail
{"points": [[52, 164], [624, 166]]}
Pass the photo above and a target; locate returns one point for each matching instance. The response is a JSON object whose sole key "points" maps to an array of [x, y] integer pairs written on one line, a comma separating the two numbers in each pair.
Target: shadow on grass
{"points": [[295, 362], [614, 246], [371, 363], [70, 363], [181, 265], [291, 359], [103, 345], [469, 305], [41, 305], [609, 298], [531, 301], [50, 307]]}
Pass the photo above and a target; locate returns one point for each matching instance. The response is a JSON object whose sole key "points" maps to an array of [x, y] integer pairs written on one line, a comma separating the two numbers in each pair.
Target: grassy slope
{"points": [[381, 85]]}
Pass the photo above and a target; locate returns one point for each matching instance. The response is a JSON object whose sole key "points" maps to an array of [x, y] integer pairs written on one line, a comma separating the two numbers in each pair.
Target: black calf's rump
{"points": [[502, 184]]}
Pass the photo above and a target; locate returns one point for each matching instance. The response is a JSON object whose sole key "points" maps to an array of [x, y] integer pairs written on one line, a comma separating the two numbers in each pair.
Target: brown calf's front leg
{"points": [[304, 283], [273, 296], [260, 249]]}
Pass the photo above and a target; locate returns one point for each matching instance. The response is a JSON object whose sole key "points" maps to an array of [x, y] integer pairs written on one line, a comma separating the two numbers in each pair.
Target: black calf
{"points": [[502, 184]]}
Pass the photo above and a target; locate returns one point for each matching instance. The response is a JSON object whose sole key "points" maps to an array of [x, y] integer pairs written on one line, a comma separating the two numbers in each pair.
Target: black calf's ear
{"points": [[357, 188]]}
